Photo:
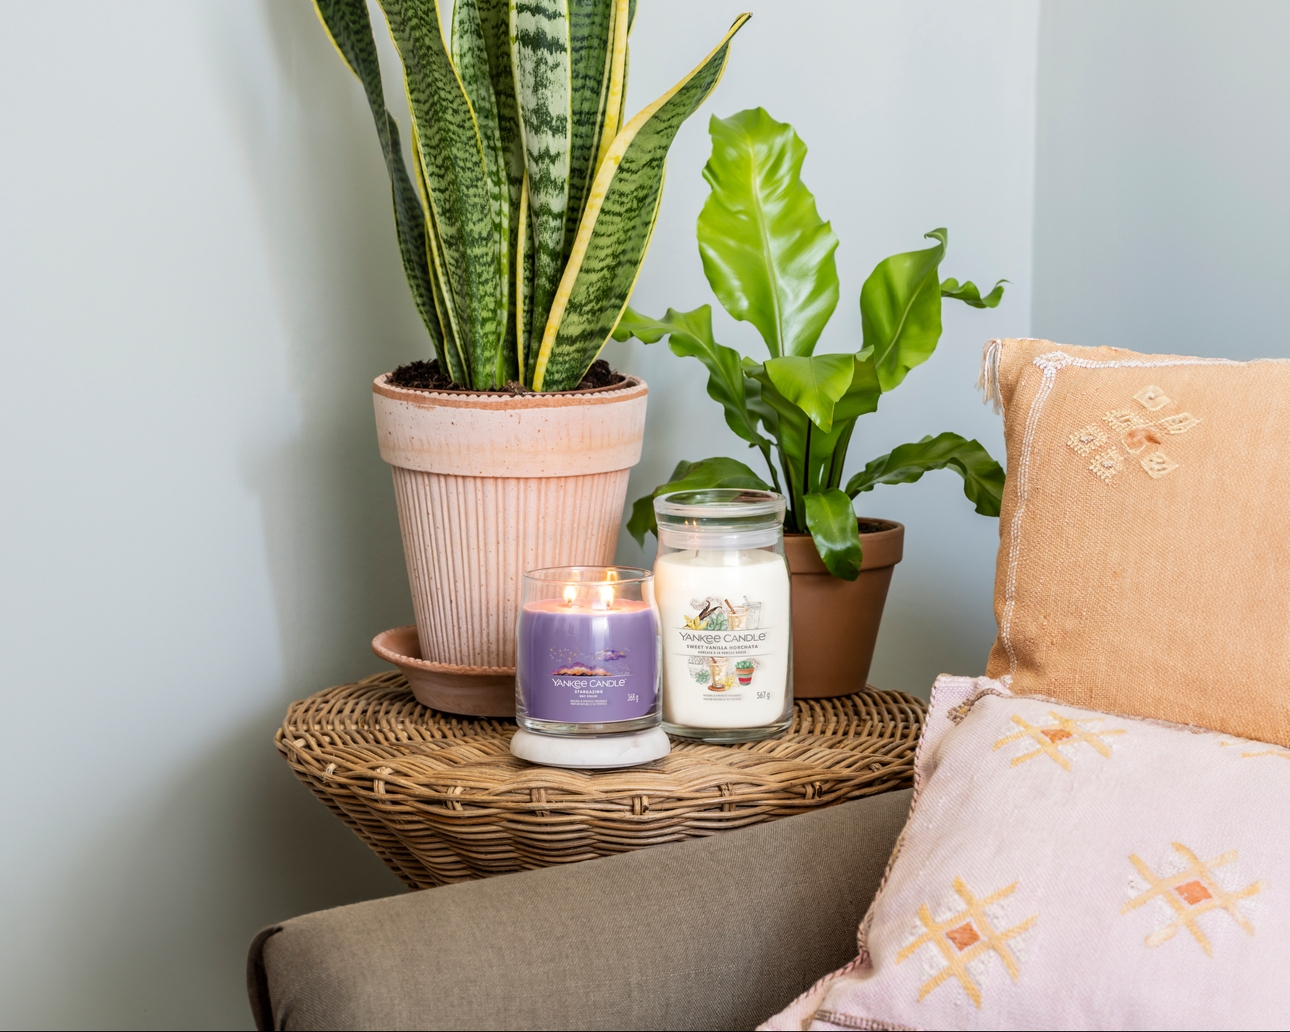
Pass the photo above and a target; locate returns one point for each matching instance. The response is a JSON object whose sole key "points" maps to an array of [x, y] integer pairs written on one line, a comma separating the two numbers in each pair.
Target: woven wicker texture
{"points": [[440, 798]]}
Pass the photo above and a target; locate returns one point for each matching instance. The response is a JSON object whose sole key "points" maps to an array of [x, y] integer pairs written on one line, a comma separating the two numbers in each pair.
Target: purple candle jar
{"points": [[588, 660]]}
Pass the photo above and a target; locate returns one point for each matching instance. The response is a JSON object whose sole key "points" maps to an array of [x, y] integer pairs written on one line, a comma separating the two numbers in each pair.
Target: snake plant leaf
{"points": [[470, 55], [591, 38], [616, 228], [691, 476], [451, 153], [458, 366], [982, 476], [691, 336], [495, 26], [599, 141], [541, 57], [833, 527], [349, 28], [523, 280], [611, 111], [968, 293], [900, 310], [814, 383], [766, 252]]}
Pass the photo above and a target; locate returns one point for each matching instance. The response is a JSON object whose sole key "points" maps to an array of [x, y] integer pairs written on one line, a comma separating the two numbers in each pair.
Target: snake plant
{"points": [[768, 257], [533, 201]]}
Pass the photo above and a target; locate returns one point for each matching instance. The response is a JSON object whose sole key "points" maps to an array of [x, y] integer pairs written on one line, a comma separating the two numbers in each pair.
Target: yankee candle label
{"points": [[733, 643]]}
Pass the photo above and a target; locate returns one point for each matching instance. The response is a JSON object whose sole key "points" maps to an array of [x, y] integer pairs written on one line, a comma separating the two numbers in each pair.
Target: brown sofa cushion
{"points": [[1144, 560], [717, 933]]}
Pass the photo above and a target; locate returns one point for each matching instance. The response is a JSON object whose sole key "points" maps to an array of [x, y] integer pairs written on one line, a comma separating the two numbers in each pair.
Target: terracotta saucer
{"points": [[470, 691]]}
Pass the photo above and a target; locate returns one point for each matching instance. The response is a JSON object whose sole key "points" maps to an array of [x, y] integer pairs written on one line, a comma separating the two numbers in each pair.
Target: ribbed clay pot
{"points": [[835, 622], [489, 486]]}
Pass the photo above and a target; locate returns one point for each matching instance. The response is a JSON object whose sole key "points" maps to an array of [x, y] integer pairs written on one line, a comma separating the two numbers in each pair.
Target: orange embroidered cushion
{"points": [[1144, 560]]}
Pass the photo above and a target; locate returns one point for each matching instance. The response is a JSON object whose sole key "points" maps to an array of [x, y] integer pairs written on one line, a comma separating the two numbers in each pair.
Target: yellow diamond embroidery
{"points": [[1106, 465], [1062, 733], [1158, 464], [1152, 398], [1120, 420], [1188, 894], [1180, 423], [1086, 441], [966, 935]]}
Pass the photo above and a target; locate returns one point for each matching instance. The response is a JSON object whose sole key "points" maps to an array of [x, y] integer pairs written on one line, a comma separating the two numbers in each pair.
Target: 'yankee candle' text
{"points": [[593, 682], [723, 637]]}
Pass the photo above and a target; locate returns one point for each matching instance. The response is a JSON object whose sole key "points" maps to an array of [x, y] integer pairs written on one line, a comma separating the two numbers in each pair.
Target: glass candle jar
{"points": [[588, 659], [722, 586]]}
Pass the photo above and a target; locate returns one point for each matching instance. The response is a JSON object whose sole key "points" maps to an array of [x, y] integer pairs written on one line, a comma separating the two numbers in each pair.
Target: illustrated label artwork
{"points": [[721, 641]]}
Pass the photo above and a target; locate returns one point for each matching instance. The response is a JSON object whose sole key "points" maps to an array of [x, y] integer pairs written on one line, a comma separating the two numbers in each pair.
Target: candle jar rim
{"points": [[589, 575], [723, 504]]}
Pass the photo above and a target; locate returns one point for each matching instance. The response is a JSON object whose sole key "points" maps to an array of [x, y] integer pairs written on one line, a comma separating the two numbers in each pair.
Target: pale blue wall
{"points": [[1162, 211]]}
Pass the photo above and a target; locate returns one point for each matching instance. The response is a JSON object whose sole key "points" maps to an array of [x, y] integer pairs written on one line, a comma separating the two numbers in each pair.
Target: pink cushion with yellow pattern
{"points": [[1063, 868]]}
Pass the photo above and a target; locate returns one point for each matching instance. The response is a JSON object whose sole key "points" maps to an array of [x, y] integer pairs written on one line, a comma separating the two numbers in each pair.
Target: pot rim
{"points": [[383, 646], [891, 528], [631, 387]]}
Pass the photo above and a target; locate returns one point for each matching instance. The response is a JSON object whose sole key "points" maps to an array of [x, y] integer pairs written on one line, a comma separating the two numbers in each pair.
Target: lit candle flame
{"points": [[607, 596], [570, 593]]}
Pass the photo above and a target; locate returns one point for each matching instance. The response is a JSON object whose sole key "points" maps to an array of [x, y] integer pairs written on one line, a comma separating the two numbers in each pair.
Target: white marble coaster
{"points": [[600, 752]]}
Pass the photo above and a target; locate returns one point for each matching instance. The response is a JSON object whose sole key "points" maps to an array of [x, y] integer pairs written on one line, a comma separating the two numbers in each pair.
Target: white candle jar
{"points": [[722, 586]]}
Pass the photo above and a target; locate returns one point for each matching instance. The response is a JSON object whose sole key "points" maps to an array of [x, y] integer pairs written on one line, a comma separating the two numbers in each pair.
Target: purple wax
{"points": [[581, 665]]}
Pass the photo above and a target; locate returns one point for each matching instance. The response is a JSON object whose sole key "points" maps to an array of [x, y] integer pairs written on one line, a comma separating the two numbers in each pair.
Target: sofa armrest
{"points": [[712, 933]]}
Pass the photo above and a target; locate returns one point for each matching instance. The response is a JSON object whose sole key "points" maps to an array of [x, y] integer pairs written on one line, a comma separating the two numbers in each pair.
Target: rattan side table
{"points": [[440, 798]]}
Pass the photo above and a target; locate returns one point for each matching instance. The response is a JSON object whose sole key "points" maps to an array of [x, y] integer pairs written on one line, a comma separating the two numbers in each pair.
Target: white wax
{"points": [[729, 670]]}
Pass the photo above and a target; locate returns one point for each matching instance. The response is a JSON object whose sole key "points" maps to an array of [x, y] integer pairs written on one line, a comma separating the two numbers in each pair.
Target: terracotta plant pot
{"points": [[491, 485], [475, 695], [835, 622]]}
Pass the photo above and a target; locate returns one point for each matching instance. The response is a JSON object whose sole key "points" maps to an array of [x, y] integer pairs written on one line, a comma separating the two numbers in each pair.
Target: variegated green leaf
{"points": [[495, 23], [350, 29], [523, 284], [591, 26], [470, 55], [603, 135], [766, 252], [458, 364], [451, 152], [611, 111], [541, 58], [616, 228]]}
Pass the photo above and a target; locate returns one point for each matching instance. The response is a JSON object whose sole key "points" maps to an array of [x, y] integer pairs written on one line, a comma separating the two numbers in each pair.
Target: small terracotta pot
{"points": [[835, 622], [442, 687], [489, 486]]}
